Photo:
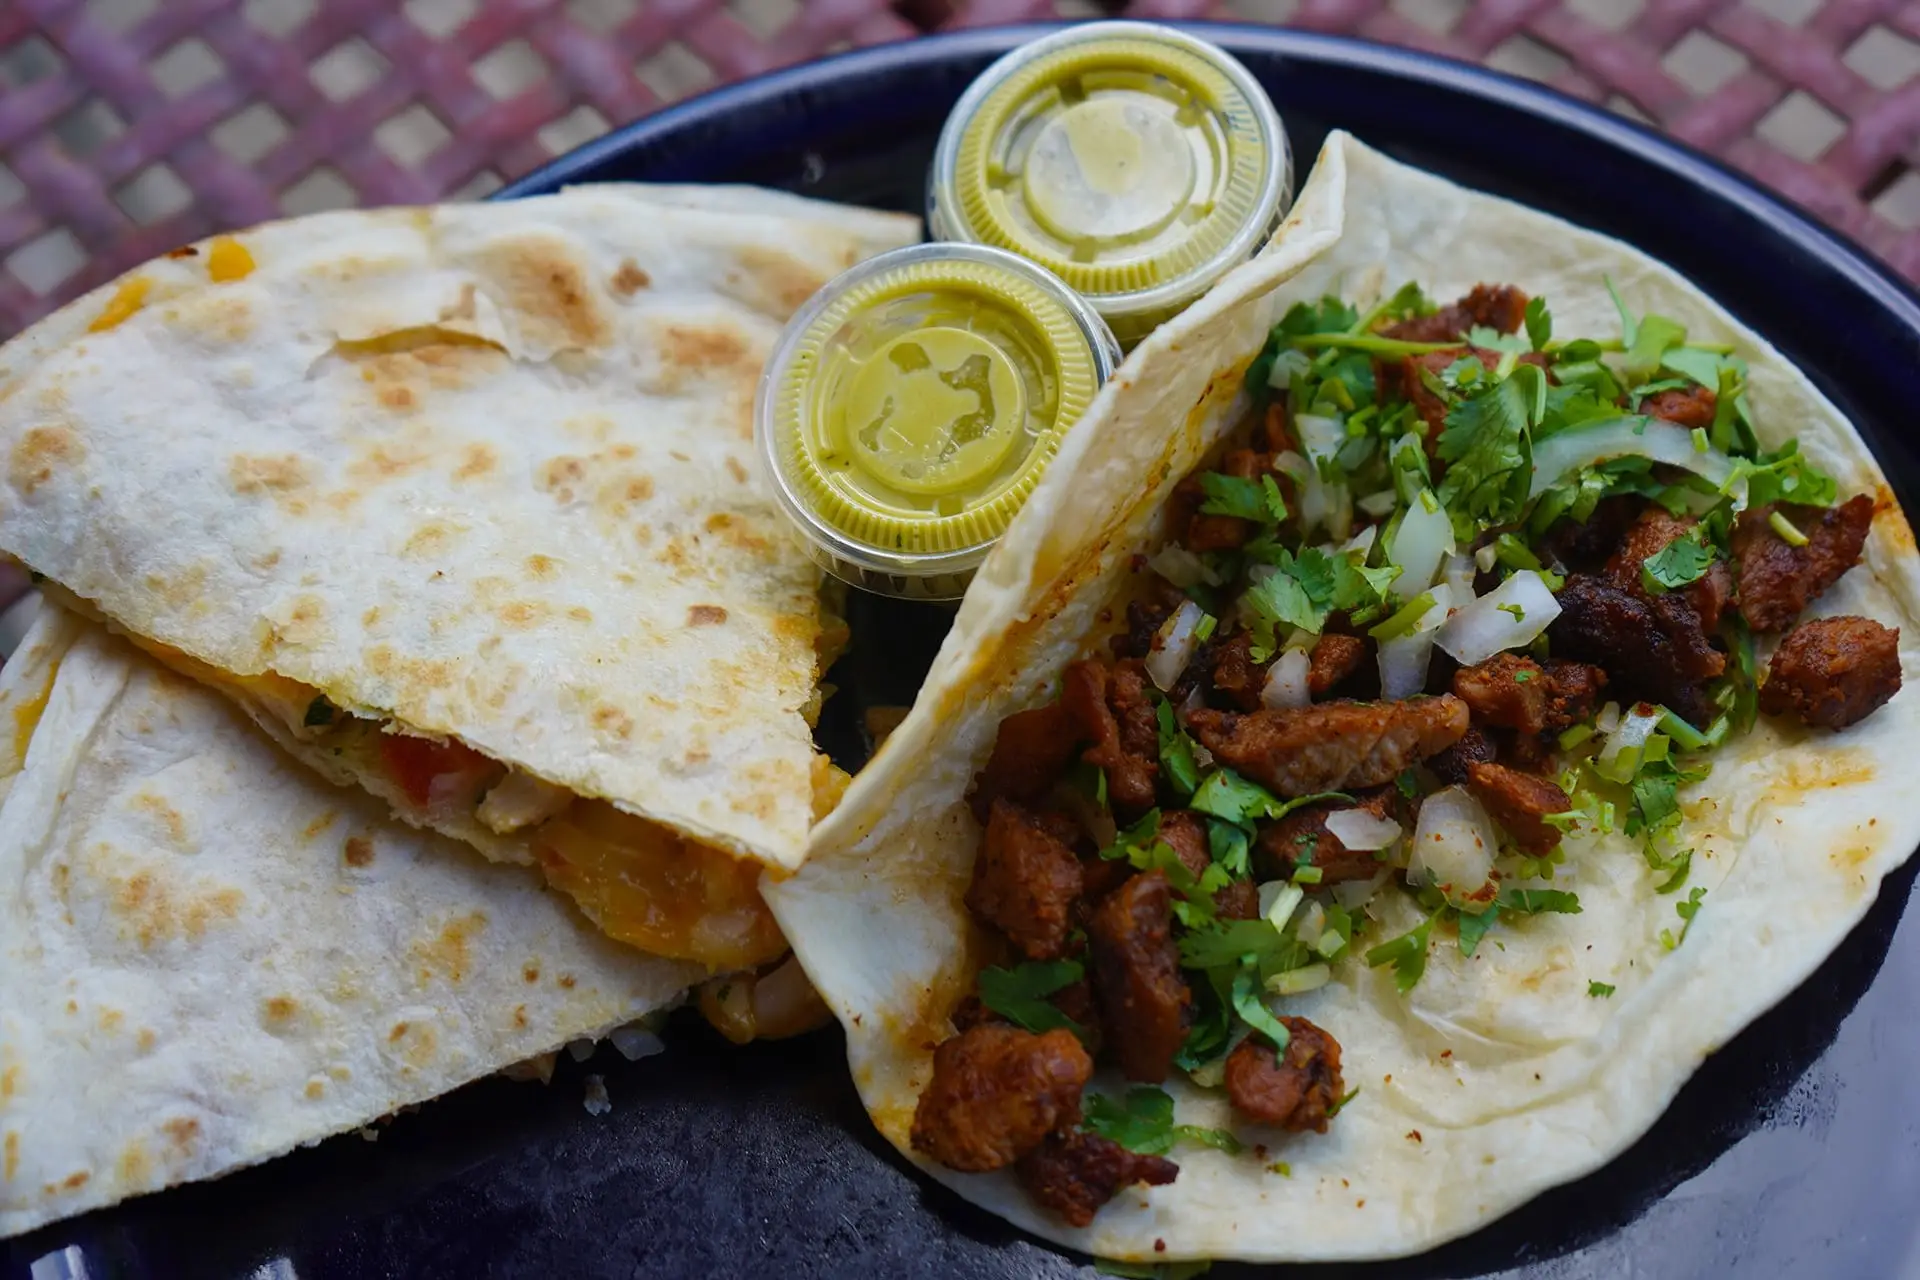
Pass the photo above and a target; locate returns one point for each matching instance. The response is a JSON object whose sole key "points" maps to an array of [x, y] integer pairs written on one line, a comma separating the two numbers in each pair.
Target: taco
{"points": [[1444, 689], [454, 502], [209, 956]]}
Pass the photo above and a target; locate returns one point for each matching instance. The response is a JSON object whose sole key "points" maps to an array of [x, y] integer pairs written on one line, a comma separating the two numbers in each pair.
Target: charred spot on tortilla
{"points": [[358, 851], [630, 278], [706, 615]]}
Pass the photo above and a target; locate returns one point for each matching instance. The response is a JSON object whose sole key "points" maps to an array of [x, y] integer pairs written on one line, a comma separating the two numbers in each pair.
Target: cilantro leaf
{"points": [[1228, 844], [1475, 927], [1233, 496], [1142, 1122], [1539, 323], [1600, 990], [1274, 599], [1696, 364], [1406, 953], [1227, 795], [1248, 1003], [1276, 501], [1177, 762], [1136, 837], [1019, 994], [1680, 562], [1534, 901], [1228, 942], [1629, 327], [1785, 476], [1329, 315], [1487, 452]]}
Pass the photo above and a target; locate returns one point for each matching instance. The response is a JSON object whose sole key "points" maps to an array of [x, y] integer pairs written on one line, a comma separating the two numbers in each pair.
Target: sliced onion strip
{"points": [[1174, 645], [1287, 681], [1558, 456], [1361, 831], [1510, 616]]}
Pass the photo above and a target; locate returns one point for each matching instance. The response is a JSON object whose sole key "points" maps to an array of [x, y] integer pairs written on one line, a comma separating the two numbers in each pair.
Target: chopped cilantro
{"points": [[1406, 953], [1019, 994], [1487, 453], [1225, 943], [1474, 927], [1408, 785], [1133, 838], [1177, 763], [1600, 990], [1227, 795], [1521, 902], [1539, 324], [1253, 1011], [1142, 1122], [1233, 496], [1682, 561], [1652, 339], [1340, 1103], [1227, 844], [1783, 476]]}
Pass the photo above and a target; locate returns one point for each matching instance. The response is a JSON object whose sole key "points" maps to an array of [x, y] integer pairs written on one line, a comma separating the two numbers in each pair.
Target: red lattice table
{"points": [[129, 126]]}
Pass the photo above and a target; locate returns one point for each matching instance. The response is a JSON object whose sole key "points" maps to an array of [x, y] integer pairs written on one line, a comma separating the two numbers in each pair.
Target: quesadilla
{"points": [[209, 956], [1447, 686], [455, 503]]}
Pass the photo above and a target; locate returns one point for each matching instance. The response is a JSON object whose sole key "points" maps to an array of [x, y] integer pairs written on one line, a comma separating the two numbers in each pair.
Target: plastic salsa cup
{"points": [[912, 404], [1137, 163]]}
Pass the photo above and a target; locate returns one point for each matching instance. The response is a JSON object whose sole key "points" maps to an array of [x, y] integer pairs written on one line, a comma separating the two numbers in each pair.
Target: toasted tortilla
{"points": [[1497, 1077], [209, 957], [475, 473]]}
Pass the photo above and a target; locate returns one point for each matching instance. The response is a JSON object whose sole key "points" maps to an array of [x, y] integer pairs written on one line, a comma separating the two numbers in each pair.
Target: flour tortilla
{"points": [[478, 472], [1542, 1083], [209, 957]]}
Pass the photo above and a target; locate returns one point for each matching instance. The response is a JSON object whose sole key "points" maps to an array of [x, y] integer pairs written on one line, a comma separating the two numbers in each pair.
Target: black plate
{"points": [[1795, 1151]]}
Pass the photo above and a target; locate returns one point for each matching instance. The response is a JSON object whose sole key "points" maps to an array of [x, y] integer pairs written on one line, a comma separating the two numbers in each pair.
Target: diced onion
{"points": [[636, 1042], [1320, 437], [1322, 505], [1620, 757], [1508, 617], [1313, 922], [1453, 847], [1289, 362], [1378, 505], [1486, 557], [1293, 982], [1423, 540], [1560, 455], [1458, 573], [1362, 541], [1181, 567], [1359, 830], [1173, 645], [1609, 718], [1354, 894], [1404, 659], [1287, 681], [1278, 899]]}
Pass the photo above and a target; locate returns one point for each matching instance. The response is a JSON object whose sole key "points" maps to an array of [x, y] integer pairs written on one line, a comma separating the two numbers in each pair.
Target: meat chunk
{"points": [[1778, 580], [1832, 672], [1519, 803], [1573, 691], [1237, 678], [1224, 533], [1025, 882], [1136, 976], [1158, 600], [1647, 537], [1302, 836], [1621, 633], [1506, 691], [1688, 407], [1113, 713], [1500, 307], [996, 1093], [1450, 766], [1239, 900], [1030, 753], [1587, 545], [1297, 1090], [1334, 658], [1332, 746], [1186, 834], [1074, 1174]]}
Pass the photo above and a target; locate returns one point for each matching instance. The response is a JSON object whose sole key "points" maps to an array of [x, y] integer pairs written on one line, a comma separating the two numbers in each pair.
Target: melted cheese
{"points": [[641, 883]]}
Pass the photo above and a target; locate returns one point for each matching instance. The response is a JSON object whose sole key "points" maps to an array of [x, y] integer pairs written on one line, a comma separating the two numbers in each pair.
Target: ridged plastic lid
{"points": [[913, 404], [1121, 156]]}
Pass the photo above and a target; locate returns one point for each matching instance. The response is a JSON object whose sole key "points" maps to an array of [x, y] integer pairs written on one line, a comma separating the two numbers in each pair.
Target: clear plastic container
{"points": [[912, 404], [1137, 163]]}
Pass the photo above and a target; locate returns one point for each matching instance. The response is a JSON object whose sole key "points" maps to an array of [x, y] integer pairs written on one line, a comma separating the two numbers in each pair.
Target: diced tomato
{"points": [[416, 762]]}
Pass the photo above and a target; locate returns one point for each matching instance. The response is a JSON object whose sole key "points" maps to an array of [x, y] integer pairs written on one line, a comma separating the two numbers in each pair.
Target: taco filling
{"points": [[1460, 588]]}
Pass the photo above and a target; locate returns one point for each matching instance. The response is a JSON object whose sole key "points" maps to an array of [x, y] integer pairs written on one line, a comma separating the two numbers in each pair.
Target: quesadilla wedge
{"points": [[455, 503], [210, 957], [1399, 740]]}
